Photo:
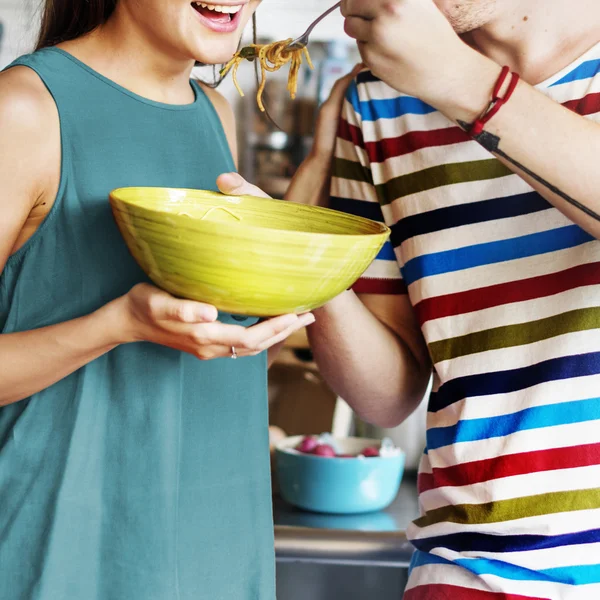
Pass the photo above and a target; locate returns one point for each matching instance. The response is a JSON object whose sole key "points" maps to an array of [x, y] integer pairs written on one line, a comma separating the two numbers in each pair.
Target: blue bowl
{"points": [[338, 485]]}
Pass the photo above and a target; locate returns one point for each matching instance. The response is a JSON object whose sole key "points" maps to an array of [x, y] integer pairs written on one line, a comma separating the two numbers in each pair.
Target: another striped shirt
{"points": [[507, 292]]}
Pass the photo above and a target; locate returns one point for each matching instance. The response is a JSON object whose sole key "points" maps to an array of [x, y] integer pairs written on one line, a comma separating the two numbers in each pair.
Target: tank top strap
{"points": [[49, 67]]}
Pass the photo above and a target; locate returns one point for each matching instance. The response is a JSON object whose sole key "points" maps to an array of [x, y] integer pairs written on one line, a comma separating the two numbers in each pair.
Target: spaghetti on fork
{"points": [[271, 58]]}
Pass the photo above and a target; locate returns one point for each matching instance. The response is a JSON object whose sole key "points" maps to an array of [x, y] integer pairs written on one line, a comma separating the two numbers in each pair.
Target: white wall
{"points": [[19, 21], [280, 19]]}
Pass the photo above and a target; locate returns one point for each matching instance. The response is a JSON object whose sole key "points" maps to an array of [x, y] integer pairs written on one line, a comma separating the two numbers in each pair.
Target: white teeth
{"points": [[220, 7]]}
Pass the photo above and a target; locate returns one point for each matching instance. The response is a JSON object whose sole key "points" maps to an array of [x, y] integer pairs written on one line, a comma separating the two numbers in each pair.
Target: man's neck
{"points": [[538, 38]]}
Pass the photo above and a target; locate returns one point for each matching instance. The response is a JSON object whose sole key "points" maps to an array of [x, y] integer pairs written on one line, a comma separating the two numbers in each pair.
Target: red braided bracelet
{"points": [[497, 102]]}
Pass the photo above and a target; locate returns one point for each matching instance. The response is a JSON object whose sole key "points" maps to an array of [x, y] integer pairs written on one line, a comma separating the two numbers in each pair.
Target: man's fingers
{"points": [[340, 87], [234, 184], [360, 8]]}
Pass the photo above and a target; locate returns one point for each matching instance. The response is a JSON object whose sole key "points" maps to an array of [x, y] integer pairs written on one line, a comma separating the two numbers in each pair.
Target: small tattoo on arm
{"points": [[491, 143]]}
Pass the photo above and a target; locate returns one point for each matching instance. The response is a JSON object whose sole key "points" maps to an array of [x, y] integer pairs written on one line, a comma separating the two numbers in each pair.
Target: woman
{"points": [[129, 468]]}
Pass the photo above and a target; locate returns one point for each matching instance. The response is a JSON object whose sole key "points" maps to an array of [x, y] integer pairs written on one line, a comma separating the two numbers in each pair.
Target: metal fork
{"points": [[302, 41]]}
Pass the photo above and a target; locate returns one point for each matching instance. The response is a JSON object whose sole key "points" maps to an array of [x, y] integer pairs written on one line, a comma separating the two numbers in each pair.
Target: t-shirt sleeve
{"points": [[353, 192]]}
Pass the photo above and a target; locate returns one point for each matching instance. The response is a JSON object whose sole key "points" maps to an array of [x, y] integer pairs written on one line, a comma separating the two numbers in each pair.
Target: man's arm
{"points": [[372, 354], [411, 46], [369, 346], [554, 149]]}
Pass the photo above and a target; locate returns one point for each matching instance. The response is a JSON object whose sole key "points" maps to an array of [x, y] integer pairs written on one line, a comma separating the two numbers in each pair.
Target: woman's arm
{"points": [[33, 360]]}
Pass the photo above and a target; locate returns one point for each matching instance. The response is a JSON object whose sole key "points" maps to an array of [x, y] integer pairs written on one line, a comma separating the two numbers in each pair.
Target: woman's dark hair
{"points": [[64, 20]]}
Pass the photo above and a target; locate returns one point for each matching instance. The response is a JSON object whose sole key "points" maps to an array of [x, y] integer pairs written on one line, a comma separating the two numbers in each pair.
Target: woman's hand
{"points": [[152, 315], [411, 46]]}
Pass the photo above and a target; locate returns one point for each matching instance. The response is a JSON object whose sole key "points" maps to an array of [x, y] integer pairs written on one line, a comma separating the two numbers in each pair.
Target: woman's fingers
{"points": [[155, 316], [152, 305], [185, 311], [235, 185], [252, 339], [281, 337]]}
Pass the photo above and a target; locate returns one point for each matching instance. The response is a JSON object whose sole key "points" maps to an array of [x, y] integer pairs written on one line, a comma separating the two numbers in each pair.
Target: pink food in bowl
{"points": [[370, 452], [307, 445], [324, 450]]}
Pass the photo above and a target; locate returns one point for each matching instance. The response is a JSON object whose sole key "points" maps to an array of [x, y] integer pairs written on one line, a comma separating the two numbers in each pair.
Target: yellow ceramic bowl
{"points": [[245, 255]]}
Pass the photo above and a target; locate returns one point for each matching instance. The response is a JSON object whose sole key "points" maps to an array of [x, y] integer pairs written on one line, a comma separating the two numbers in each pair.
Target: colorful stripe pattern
{"points": [[507, 292]]}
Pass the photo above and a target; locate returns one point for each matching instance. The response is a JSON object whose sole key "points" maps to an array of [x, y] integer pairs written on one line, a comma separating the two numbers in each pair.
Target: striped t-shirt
{"points": [[507, 292]]}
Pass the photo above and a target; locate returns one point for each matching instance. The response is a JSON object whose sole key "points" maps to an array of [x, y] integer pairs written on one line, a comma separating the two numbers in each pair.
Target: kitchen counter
{"points": [[373, 539]]}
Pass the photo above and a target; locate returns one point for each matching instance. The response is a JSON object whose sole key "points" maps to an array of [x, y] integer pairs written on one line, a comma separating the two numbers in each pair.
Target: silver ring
{"points": [[234, 354]]}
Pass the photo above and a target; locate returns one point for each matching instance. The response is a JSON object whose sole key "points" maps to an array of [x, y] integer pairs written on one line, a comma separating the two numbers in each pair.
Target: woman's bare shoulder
{"points": [[24, 100], [29, 150]]}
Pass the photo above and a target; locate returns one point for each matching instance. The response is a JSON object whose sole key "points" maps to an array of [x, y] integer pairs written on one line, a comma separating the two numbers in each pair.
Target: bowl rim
{"points": [[116, 197], [280, 448]]}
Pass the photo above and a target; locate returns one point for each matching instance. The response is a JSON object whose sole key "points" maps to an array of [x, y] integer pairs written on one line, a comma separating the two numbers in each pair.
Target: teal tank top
{"points": [[145, 474]]}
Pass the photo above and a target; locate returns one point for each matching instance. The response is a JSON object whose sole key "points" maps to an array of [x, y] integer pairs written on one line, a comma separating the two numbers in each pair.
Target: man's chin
{"points": [[466, 16]]}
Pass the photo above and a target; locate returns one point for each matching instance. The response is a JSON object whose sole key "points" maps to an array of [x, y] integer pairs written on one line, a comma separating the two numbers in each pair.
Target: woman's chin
{"points": [[218, 57]]}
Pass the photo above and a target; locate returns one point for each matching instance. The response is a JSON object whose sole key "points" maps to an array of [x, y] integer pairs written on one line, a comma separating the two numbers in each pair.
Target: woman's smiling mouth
{"points": [[222, 18]]}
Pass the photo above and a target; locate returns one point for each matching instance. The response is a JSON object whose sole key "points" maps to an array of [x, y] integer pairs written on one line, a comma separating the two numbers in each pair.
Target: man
{"points": [[492, 276], [500, 259]]}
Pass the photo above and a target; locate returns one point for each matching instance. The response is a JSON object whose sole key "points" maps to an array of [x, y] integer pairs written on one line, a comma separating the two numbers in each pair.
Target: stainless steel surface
{"points": [[299, 581], [323, 546], [302, 41], [373, 539]]}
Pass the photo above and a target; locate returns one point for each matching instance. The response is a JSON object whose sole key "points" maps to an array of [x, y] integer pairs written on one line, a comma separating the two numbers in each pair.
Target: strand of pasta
{"points": [[271, 57]]}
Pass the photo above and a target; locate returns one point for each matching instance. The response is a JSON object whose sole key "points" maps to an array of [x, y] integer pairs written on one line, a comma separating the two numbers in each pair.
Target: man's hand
{"points": [[410, 45], [329, 115], [311, 182]]}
